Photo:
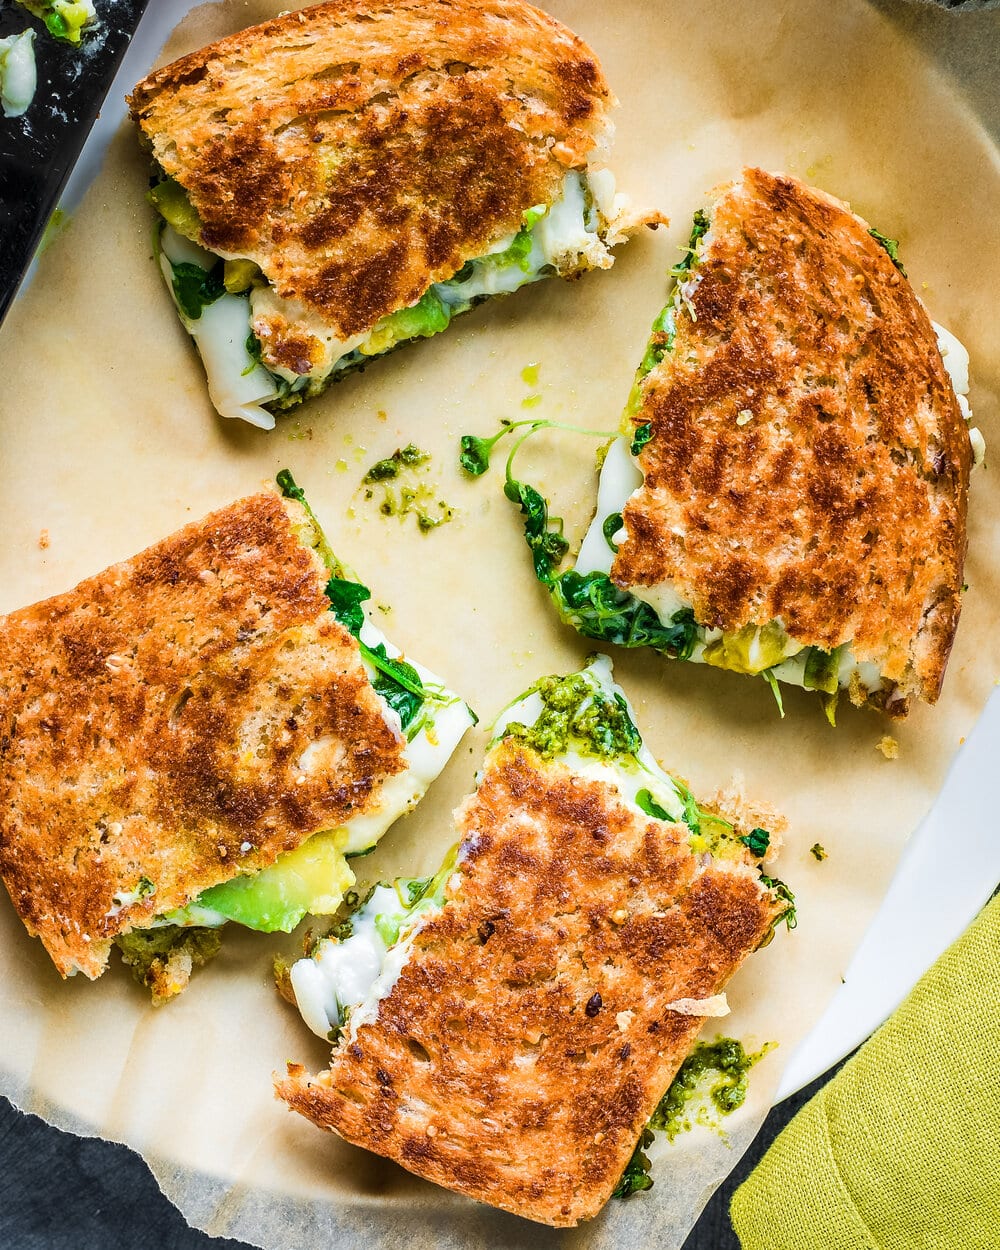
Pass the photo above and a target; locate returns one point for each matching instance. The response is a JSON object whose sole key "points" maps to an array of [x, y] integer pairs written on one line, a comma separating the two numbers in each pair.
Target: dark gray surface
{"points": [[59, 1192]]}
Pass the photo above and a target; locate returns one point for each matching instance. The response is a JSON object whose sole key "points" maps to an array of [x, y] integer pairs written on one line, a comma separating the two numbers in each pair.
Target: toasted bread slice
{"points": [[806, 459], [358, 153], [180, 720], [545, 1004]]}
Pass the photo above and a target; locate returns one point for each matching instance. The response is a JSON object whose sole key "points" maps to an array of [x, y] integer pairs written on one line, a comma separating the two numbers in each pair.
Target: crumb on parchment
{"points": [[43, 540], [888, 746]]}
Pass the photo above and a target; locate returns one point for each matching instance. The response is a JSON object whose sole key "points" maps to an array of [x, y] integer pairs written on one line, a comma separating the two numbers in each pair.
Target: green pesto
{"points": [[716, 1071], [716, 1075], [577, 716], [142, 949], [403, 491], [64, 19], [391, 467]]}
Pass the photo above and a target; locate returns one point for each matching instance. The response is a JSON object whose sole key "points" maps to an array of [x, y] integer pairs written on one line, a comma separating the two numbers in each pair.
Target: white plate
{"points": [[934, 894]]}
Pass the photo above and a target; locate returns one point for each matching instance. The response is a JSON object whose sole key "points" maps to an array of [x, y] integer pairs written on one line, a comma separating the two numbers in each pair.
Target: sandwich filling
{"points": [[234, 315], [582, 722]]}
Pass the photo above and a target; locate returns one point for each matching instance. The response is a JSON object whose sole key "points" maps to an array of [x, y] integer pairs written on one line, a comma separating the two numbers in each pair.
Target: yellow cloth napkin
{"points": [[901, 1150]]}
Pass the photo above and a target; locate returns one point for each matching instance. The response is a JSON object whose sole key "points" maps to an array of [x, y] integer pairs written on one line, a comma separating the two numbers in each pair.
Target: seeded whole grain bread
{"points": [[530, 1034], [359, 151], [808, 459], [181, 718]]}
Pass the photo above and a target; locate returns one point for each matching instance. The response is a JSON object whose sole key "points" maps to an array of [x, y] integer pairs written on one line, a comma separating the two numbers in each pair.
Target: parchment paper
{"points": [[108, 442]]}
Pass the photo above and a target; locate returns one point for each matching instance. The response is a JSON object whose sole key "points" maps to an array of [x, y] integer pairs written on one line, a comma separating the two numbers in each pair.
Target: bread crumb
{"points": [[431, 1131], [888, 746], [619, 916], [43, 539], [623, 1019]]}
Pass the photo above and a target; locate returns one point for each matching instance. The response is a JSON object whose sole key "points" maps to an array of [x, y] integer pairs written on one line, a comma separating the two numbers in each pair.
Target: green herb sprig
{"points": [[891, 246]]}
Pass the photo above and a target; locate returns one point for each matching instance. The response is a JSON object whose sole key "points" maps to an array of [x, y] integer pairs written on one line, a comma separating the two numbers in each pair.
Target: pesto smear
{"points": [[576, 715], [715, 1073], [404, 489], [715, 1076]]}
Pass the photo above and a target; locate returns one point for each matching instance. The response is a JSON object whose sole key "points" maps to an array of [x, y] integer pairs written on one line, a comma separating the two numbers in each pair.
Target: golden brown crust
{"points": [[359, 151], [153, 723], [809, 461], [528, 1038]]}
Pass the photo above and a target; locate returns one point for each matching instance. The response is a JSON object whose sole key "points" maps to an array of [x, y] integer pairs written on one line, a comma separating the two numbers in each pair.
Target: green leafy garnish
{"points": [[772, 681], [346, 599], [891, 246], [757, 841], [650, 806], [405, 700], [818, 852], [195, 288], [474, 456], [640, 437], [783, 892], [548, 545], [596, 608], [396, 681], [636, 1176], [610, 528]]}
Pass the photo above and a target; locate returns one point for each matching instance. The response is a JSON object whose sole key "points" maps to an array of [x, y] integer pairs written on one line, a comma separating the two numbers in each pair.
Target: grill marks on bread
{"points": [[502, 1064], [153, 723], [359, 151], [839, 506]]}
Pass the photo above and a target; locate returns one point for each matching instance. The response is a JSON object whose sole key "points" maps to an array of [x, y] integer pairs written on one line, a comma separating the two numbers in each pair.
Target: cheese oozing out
{"points": [[621, 477], [341, 983], [573, 233], [239, 386], [345, 980], [18, 73]]}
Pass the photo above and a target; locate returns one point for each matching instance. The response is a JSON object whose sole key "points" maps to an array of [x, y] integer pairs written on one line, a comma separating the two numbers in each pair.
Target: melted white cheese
{"points": [[18, 75], [339, 975], [237, 384], [956, 361]]}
